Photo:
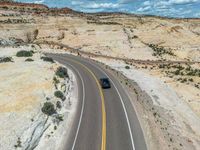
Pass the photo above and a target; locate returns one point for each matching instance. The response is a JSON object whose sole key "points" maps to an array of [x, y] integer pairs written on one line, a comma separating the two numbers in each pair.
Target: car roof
{"points": [[104, 79]]}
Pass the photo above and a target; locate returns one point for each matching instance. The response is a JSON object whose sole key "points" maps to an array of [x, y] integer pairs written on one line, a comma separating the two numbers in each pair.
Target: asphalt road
{"points": [[105, 119]]}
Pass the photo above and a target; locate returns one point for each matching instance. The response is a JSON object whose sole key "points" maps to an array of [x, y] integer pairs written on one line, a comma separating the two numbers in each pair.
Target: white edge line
{"points": [[83, 105], [122, 102]]}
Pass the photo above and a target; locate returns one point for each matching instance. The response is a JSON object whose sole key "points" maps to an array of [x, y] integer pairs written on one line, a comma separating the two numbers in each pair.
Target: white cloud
{"points": [[146, 3], [101, 5], [197, 15], [143, 9], [39, 2], [182, 1], [175, 2]]}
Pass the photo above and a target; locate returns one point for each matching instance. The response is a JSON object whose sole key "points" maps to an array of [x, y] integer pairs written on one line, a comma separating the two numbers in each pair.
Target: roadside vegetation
{"points": [[19, 143], [48, 59], [48, 108], [127, 67], [56, 82], [58, 105], [5, 59], [24, 53], [59, 94], [29, 60], [62, 72]]}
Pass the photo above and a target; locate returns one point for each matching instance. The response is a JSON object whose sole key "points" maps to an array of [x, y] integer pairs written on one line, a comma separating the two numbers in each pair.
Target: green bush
{"points": [[5, 59], [59, 117], [48, 59], [160, 51], [19, 143], [135, 37], [177, 72], [58, 104], [55, 80], [59, 94], [48, 108], [24, 53], [62, 72], [191, 80], [29, 59], [127, 67]]}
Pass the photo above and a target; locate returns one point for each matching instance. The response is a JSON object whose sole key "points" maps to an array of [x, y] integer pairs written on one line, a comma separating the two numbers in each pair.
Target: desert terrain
{"points": [[38, 98], [161, 56]]}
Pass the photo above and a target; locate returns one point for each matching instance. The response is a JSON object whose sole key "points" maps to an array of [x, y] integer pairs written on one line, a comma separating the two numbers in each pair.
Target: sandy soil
{"points": [[24, 88]]}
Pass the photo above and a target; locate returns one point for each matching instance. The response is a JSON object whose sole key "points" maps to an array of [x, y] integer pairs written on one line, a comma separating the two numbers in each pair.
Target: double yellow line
{"points": [[103, 140]]}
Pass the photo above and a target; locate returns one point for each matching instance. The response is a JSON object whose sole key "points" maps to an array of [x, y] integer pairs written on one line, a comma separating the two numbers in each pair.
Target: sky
{"points": [[168, 8]]}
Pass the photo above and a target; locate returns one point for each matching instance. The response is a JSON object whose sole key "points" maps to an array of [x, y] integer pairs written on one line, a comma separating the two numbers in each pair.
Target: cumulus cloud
{"points": [[182, 1], [92, 5], [143, 9], [197, 15], [95, 5], [175, 2], [39, 1], [147, 3]]}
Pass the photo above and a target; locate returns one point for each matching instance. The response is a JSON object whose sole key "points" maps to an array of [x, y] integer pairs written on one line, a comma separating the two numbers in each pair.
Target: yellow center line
{"points": [[103, 140]]}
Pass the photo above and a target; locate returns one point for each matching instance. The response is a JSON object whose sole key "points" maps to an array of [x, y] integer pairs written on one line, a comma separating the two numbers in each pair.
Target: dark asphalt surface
{"points": [[123, 131]]}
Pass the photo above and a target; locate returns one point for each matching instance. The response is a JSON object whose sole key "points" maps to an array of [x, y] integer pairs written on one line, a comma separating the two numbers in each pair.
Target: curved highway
{"points": [[105, 119]]}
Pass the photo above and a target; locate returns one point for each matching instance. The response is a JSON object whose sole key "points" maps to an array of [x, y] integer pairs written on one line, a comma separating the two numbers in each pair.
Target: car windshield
{"points": [[105, 80]]}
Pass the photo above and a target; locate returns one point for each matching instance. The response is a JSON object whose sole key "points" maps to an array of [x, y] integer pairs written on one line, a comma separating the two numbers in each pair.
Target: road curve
{"points": [[105, 119]]}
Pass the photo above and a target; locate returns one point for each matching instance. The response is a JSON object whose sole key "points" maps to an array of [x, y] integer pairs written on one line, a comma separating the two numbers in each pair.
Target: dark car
{"points": [[105, 83]]}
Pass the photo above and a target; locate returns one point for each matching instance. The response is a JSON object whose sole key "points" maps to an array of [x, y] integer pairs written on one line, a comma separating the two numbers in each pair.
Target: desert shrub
{"points": [[160, 51], [61, 36], [135, 37], [55, 80], [48, 59], [197, 86], [59, 117], [48, 108], [29, 59], [24, 53], [184, 80], [58, 104], [33, 52], [127, 67], [18, 143], [35, 33], [177, 72], [5, 59], [59, 94], [32, 35], [5, 7], [191, 80], [62, 72]]}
